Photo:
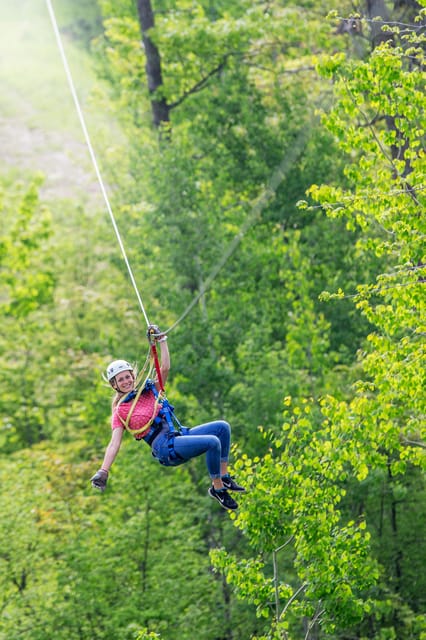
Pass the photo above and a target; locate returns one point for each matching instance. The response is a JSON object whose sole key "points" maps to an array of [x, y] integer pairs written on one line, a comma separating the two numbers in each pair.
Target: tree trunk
{"points": [[377, 9], [159, 106], [397, 554]]}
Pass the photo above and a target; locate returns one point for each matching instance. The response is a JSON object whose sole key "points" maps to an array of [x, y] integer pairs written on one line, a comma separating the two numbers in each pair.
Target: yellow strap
{"points": [[126, 422]]}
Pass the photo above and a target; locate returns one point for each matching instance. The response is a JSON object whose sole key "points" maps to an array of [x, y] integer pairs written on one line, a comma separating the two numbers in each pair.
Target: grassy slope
{"points": [[39, 127]]}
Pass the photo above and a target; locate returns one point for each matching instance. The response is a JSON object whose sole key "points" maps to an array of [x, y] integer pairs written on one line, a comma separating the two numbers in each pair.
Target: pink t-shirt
{"points": [[143, 412]]}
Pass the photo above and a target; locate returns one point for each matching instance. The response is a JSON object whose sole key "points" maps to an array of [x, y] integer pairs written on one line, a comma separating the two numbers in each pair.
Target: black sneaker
{"points": [[230, 484], [223, 497]]}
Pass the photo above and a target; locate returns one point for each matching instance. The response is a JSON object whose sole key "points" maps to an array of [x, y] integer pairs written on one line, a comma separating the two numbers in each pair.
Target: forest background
{"points": [[265, 163]]}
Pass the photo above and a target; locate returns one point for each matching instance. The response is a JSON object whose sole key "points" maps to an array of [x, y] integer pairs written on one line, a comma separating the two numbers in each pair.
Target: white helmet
{"points": [[117, 367]]}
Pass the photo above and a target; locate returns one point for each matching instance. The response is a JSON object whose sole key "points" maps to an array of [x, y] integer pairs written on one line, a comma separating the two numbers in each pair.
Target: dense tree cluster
{"points": [[269, 182]]}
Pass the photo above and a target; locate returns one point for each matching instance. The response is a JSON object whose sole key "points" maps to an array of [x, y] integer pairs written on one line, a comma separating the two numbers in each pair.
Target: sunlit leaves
{"points": [[322, 456], [27, 280], [298, 490]]}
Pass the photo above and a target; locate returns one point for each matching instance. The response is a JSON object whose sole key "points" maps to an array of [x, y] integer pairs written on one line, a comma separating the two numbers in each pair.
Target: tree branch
{"points": [[312, 623], [275, 565], [413, 443], [293, 598], [201, 83]]}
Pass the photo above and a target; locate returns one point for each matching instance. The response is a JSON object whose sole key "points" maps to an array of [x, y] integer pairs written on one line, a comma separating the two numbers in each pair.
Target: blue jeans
{"points": [[211, 438]]}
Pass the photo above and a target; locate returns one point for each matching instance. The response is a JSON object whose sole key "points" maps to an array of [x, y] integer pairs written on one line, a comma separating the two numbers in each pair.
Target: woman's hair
{"points": [[116, 400]]}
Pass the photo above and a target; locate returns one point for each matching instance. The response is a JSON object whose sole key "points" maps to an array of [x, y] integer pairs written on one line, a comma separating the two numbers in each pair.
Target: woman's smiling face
{"points": [[125, 381]]}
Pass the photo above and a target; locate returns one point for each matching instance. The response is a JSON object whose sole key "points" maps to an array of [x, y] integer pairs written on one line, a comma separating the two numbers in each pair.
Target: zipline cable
{"points": [[257, 207], [92, 154]]}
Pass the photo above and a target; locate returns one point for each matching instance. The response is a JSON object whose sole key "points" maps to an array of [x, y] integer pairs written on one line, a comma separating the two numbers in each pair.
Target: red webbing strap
{"points": [[157, 366]]}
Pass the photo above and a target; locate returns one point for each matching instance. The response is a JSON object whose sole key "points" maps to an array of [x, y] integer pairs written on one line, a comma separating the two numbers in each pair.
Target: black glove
{"points": [[99, 480]]}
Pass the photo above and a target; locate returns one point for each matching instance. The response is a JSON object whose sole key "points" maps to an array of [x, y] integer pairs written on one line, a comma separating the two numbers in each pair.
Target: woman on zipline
{"points": [[149, 417]]}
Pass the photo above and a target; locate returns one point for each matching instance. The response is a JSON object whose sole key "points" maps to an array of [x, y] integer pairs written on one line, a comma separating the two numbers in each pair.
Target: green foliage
{"points": [[299, 486], [79, 564], [389, 215], [147, 635], [81, 21], [228, 137], [27, 281], [327, 543], [294, 504]]}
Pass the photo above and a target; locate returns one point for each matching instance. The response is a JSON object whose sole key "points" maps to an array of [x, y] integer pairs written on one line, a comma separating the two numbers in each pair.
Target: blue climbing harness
{"points": [[165, 415]]}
